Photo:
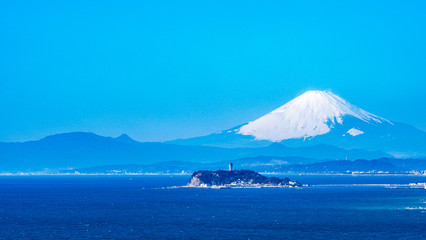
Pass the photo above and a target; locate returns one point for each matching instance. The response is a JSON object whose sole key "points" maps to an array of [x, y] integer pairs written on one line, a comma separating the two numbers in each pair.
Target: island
{"points": [[237, 179]]}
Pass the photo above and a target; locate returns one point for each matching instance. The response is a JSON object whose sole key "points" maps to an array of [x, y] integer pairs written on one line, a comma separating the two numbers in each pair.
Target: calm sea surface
{"points": [[123, 207]]}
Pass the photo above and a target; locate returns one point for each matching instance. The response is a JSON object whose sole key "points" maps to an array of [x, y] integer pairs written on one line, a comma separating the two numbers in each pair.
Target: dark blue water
{"points": [[122, 207]]}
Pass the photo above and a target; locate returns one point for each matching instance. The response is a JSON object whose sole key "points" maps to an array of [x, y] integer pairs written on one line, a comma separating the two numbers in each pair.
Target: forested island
{"points": [[237, 179]]}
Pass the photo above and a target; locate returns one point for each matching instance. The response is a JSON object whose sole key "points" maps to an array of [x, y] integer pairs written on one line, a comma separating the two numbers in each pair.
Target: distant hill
{"points": [[257, 163], [269, 164], [80, 149]]}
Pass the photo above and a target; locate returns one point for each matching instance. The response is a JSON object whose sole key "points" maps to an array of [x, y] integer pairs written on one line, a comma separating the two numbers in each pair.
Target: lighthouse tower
{"points": [[230, 166]]}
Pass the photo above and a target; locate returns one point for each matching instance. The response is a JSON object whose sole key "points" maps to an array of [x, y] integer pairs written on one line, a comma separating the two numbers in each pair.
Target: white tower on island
{"points": [[230, 166]]}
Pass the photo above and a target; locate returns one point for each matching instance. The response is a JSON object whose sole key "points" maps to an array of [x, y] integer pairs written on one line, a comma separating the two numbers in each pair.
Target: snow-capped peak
{"points": [[310, 114]]}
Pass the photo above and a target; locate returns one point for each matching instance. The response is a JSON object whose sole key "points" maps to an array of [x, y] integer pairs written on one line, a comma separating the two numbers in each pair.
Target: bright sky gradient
{"points": [[160, 70]]}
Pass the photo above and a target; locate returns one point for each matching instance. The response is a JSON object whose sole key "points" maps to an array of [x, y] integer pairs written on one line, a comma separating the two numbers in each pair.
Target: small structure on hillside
{"points": [[230, 166]]}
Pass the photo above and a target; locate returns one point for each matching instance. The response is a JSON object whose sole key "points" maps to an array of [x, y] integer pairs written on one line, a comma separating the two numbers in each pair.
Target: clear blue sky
{"points": [[160, 70]]}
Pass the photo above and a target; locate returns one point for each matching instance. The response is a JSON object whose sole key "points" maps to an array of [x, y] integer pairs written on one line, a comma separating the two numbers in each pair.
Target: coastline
{"points": [[415, 184], [189, 174]]}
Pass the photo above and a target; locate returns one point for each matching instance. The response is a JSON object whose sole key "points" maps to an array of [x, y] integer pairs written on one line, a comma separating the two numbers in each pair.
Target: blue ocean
{"points": [[143, 207]]}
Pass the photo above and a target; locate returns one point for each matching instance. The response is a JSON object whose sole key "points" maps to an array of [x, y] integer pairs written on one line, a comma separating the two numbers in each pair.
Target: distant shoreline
{"points": [[189, 174], [384, 185]]}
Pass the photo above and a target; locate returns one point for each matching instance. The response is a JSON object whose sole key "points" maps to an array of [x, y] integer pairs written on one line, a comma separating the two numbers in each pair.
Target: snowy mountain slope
{"points": [[311, 114], [321, 117]]}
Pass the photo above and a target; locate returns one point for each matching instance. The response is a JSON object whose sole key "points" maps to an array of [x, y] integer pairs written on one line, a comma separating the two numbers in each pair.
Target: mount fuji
{"points": [[317, 126], [321, 117]]}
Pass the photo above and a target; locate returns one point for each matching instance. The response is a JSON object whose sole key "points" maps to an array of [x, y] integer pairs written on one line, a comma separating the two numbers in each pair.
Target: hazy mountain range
{"points": [[314, 127], [268, 164], [78, 149]]}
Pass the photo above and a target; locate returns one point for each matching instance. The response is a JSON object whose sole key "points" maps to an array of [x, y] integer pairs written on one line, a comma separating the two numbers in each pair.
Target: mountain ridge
{"points": [[71, 150], [317, 117]]}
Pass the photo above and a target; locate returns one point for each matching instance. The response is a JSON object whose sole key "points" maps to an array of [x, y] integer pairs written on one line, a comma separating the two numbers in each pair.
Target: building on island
{"points": [[230, 166]]}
